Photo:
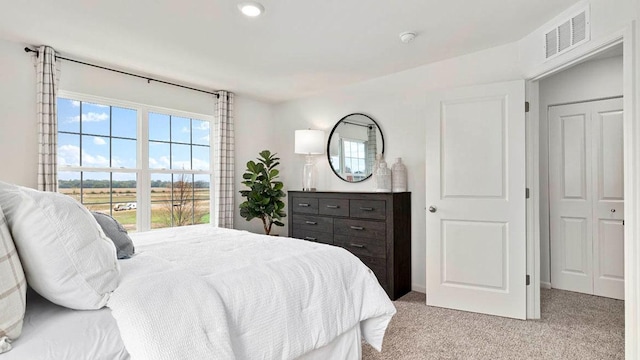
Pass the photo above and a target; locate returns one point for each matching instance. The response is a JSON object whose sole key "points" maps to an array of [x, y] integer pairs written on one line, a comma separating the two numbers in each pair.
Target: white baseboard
{"points": [[545, 285], [419, 288]]}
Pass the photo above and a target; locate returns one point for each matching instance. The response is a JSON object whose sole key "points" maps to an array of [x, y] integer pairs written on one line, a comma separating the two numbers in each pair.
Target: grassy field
{"points": [[102, 200]]}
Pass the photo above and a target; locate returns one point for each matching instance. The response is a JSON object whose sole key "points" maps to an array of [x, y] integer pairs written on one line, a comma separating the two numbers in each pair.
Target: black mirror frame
{"points": [[329, 144]]}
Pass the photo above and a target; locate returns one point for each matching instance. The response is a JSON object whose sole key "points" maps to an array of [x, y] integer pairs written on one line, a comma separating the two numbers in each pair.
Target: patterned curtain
{"points": [[223, 161], [371, 149], [48, 73]]}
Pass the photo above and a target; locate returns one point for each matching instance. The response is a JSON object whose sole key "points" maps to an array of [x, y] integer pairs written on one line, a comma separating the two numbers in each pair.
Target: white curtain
{"points": [[48, 73], [223, 161]]}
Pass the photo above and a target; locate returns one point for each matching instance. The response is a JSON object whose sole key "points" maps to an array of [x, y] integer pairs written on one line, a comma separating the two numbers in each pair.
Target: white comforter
{"points": [[208, 293]]}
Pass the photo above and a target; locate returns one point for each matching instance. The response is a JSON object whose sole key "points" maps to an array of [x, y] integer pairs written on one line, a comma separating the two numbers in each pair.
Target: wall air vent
{"points": [[567, 35]]}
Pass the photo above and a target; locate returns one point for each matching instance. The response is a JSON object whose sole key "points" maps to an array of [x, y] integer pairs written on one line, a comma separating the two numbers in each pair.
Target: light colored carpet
{"points": [[573, 326]]}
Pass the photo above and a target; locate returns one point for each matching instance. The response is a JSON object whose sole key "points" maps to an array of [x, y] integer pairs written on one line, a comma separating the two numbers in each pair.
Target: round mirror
{"points": [[352, 147]]}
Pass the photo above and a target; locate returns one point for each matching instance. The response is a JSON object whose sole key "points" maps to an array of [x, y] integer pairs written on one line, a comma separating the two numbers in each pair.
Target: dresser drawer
{"points": [[304, 205], [313, 223], [378, 266], [361, 246], [334, 207], [317, 236], [361, 228], [368, 209]]}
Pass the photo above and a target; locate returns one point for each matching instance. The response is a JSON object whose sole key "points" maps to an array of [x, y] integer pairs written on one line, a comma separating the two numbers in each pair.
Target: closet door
{"points": [[570, 197], [586, 197], [608, 211]]}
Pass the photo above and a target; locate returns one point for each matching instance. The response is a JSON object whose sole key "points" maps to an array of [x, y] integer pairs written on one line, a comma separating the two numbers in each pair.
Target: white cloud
{"points": [[199, 164], [90, 117], [99, 141], [202, 125], [69, 155], [185, 130], [160, 163], [75, 103]]}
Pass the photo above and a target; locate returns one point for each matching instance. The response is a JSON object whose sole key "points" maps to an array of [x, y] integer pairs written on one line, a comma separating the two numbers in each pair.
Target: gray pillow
{"points": [[114, 231]]}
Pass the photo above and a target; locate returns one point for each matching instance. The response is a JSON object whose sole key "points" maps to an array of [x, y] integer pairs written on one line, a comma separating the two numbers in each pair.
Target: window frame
{"points": [[142, 170]]}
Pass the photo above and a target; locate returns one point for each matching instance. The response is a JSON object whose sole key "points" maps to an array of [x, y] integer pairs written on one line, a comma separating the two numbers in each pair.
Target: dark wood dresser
{"points": [[376, 227]]}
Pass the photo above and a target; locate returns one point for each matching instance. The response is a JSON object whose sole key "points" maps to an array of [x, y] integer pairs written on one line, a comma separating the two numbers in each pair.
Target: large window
{"points": [[147, 167]]}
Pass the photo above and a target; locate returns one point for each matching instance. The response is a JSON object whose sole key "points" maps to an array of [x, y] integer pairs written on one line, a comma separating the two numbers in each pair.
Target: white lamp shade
{"points": [[309, 142]]}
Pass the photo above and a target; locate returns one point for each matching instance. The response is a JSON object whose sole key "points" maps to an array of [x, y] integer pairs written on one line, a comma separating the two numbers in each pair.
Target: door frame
{"points": [[627, 37]]}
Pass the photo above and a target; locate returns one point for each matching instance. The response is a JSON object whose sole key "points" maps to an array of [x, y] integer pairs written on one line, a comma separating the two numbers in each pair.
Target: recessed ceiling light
{"points": [[251, 9]]}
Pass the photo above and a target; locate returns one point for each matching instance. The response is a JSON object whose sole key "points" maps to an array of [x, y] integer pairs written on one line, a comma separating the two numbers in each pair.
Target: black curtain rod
{"points": [[356, 124], [26, 49]]}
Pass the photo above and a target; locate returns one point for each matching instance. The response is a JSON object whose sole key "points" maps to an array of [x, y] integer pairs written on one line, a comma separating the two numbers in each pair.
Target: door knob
{"points": [[432, 209], [613, 210]]}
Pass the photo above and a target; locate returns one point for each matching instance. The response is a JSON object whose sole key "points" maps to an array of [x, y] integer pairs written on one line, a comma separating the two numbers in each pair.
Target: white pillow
{"points": [[65, 254], [13, 289]]}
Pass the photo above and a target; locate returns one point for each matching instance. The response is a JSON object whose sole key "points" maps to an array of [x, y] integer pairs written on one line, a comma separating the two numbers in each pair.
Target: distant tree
{"points": [[181, 209]]}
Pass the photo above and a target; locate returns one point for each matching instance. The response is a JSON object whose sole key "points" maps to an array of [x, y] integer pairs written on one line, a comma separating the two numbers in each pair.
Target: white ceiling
{"points": [[296, 48]]}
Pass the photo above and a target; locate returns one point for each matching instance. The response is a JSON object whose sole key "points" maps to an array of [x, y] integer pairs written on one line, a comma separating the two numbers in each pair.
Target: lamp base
{"points": [[309, 175]]}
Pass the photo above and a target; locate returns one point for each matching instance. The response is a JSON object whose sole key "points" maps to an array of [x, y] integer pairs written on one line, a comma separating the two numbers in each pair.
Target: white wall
{"points": [[591, 80], [254, 132], [18, 125], [398, 103]]}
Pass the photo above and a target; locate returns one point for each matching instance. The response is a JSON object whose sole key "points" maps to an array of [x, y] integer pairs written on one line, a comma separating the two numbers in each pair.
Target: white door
{"points": [[475, 172], [586, 197]]}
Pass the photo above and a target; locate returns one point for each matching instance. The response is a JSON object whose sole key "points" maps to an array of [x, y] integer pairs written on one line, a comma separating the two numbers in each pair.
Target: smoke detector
{"points": [[407, 36]]}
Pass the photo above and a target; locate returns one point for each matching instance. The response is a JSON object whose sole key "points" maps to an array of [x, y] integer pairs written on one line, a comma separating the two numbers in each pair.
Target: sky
{"points": [[172, 140]]}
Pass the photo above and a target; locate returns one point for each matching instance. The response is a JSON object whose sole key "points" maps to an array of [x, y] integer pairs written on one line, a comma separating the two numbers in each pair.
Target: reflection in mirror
{"points": [[352, 147]]}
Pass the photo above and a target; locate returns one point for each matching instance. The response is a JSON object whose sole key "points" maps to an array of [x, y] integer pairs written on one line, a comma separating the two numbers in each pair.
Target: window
{"points": [[146, 167], [354, 156]]}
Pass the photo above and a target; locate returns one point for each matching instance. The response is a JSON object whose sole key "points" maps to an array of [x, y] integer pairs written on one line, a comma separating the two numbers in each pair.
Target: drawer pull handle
{"points": [[357, 245], [304, 205], [366, 208], [311, 223], [357, 227], [333, 206], [310, 238]]}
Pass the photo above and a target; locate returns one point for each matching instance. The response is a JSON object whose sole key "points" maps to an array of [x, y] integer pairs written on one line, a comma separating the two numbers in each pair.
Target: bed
{"points": [[204, 292]]}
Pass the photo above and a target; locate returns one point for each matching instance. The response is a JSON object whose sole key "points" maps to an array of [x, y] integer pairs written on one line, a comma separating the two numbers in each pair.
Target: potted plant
{"points": [[264, 197]]}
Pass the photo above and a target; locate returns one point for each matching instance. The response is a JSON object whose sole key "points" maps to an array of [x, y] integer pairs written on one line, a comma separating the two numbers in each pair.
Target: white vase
{"points": [[383, 177], [399, 176], [374, 170]]}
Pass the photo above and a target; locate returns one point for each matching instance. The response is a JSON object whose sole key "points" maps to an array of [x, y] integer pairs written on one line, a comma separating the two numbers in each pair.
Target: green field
{"points": [[163, 210]]}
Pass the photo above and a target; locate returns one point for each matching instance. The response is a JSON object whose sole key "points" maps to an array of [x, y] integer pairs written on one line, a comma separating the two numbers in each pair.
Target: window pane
{"points": [[68, 115], [95, 119], [96, 190], [124, 205], [182, 210], [160, 200], [200, 131], [69, 184], [158, 127], [124, 122], [202, 197], [180, 157], [95, 151], [180, 129], [123, 153], [159, 155], [68, 150], [200, 157]]}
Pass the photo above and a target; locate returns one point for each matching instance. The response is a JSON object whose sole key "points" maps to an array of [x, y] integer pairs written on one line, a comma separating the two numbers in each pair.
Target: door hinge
{"points": [[526, 193], [622, 222], [526, 106], [528, 280]]}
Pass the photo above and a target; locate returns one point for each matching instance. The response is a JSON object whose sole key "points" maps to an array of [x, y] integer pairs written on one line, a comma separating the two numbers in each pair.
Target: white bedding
{"points": [[203, 292], [53, 332]]}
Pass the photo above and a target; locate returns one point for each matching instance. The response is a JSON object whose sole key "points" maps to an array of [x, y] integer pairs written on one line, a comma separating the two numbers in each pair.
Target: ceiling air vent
{"points": [[569, 34]]}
